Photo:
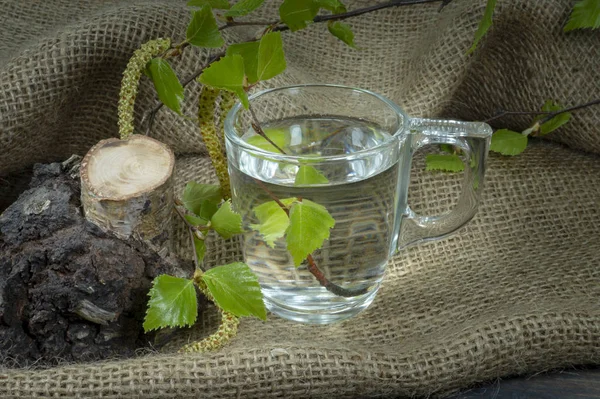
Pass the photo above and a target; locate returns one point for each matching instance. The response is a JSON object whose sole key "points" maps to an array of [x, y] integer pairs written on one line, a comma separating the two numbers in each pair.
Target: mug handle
{"points": [[473, 138]]}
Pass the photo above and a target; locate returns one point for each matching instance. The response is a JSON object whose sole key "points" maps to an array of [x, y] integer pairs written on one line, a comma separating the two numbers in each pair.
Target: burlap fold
{"points": [[516, 291]]}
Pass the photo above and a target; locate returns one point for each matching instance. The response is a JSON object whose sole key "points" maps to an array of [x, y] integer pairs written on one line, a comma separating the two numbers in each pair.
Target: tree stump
{"points": [[127, 189]]}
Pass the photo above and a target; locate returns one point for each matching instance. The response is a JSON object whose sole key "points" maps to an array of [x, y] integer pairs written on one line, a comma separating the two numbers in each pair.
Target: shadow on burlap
{"points": [[515, 292]]}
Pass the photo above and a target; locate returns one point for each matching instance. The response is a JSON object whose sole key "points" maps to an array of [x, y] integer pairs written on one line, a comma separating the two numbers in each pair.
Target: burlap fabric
{"points": [[517, 291]]}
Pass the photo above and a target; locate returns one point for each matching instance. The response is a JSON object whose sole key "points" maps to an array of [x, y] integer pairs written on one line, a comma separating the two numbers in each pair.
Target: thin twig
{"points": [[231, 24], [150, 115], [273, 196], [331, 287], [312, 265], [549, 114], [361, 11], [278, 26], [502, 114], [192, 230], [444, 4], [573, 108], [187, 223], [258, 129], [325, 140], [192, 238]]}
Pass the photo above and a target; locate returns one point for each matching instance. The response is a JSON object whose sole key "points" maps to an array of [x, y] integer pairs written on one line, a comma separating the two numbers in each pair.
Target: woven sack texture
{"points": [[516, 291]]}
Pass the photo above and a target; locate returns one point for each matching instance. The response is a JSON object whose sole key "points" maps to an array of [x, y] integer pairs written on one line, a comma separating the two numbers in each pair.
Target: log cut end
{"points": [[127, 189], [122, 169]]}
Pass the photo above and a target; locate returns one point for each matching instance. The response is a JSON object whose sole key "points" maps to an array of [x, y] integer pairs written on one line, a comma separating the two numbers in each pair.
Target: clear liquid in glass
{"points": [[360, 196]]}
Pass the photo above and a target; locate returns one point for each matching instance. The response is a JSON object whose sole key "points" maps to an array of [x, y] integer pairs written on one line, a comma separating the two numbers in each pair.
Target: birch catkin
{"points": [[208, 130], [131, 81]]}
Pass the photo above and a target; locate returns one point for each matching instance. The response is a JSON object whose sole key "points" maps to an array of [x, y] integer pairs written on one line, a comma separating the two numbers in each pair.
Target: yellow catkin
{"points": [[228, 99], [131, 79], [208, 130], [226, 331]]}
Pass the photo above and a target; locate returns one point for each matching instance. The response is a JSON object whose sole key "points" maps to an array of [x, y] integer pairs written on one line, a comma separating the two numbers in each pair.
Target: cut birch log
{"points": [[127, 189]]}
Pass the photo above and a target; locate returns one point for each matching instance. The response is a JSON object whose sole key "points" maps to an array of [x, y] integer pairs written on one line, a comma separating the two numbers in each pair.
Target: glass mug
{"points": [[360, 145]]}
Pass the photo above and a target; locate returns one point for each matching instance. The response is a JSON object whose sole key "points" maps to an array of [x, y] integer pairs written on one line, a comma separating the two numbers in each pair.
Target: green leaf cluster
{"points": [[305, 225], [504, 141], [208, 212], [280, 137], [308, 175], [195, 195], [298, 14], [508, 142], [227, 74], [226, 222], [222, 4], [243, 7], [236, 290], [167, 85], [342, 31], [585, 14], [203, 30], [172, 303], [233, 287], [443, 162], [555, 122], [484, 24], [246, 63]]}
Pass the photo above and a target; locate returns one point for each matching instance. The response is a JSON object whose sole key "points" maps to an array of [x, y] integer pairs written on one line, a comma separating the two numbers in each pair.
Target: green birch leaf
{"points": [[200, 246], [218, 4], [273, 222], [243, 7], [308, 229], [208, 209], [249, 52], [236, 290], [196, 220], [271, 60], [203, 30], [335, 6], [308, 175], [342, 31], [484, 24], [447, 163], [172, 303], [507, 142], [166, 83], [280, 137], [557, 121], [585, 14], [226, 222], [297, 14], [227, 74], [195, 194]]}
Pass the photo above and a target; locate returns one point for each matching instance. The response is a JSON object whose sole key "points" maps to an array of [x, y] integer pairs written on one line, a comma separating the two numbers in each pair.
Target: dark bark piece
{"points": [[68, 291]]}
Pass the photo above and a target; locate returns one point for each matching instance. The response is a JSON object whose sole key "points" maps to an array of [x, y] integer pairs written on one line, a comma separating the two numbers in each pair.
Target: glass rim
{"points": [[232, 135]]}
